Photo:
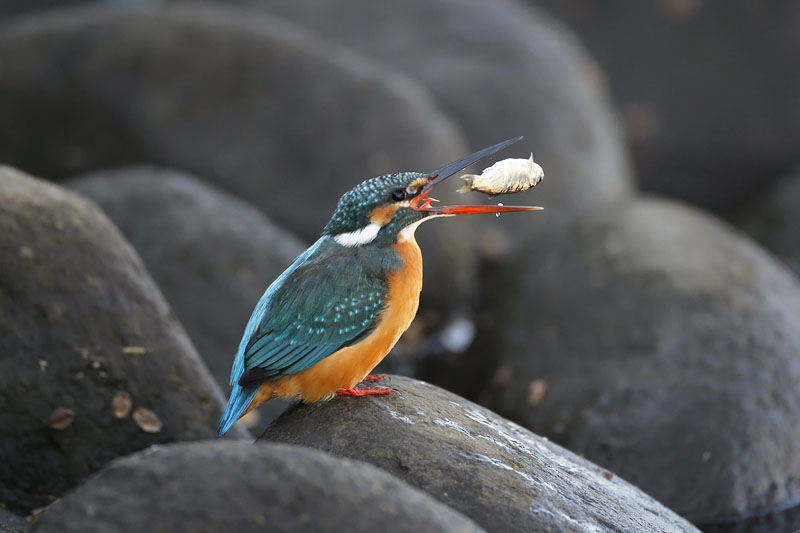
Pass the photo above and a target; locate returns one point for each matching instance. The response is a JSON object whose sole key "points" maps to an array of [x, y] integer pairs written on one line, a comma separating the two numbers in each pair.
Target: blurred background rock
{"points": [[649, 335]]}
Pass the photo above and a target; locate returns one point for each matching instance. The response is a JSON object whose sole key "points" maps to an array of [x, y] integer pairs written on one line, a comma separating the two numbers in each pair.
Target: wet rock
{"points": [[11, 523], [234, 486], [80, 322], [701, 129], [501, 69], [261, 108], [774, 221], [499, 474], [212, 255], [657, 342]]}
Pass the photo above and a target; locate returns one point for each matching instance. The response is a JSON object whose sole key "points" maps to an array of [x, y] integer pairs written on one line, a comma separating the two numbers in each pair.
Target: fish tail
{"points": [[469, 179], [241, 398]]}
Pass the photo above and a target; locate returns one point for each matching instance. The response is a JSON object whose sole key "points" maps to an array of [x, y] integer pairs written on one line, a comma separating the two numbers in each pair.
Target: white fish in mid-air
{"points": [[505, 177]]}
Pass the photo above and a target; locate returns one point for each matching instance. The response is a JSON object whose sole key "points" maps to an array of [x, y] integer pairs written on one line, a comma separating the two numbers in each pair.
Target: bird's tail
{"points": [[241, 398]]}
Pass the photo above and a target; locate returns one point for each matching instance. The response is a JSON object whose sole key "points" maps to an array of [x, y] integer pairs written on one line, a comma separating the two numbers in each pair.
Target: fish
{"points": [[505, 177]]}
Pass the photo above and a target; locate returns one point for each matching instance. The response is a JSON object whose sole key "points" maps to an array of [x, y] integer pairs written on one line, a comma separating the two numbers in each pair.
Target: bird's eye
{"points": [[399, 195]]}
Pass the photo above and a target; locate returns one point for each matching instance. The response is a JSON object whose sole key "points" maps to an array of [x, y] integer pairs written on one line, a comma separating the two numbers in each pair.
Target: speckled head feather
{"points": [[372, 202]]}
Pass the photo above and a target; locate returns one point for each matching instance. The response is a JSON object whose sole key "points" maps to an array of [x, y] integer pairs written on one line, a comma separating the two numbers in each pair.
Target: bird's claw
{"points": [[375, 377]]}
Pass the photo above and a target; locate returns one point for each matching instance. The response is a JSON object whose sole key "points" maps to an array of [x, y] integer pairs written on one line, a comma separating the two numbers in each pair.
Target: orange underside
{"points": [[348, 366]]}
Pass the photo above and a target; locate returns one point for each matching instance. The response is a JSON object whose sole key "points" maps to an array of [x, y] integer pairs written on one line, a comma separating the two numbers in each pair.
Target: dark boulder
{"points": [[659, 343], [499, 474], [210, 254], [501, 69], [709, 91], [95, 365], [261, 108], [774, 221], [218, 486]]}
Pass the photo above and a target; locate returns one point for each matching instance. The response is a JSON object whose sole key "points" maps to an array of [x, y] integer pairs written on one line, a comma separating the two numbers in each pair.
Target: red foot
{"points": [[374, 377], [365, 391]]}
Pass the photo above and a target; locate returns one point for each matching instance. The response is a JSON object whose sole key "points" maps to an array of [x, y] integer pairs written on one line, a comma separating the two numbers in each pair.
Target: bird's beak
{"points": [[423, 202]]}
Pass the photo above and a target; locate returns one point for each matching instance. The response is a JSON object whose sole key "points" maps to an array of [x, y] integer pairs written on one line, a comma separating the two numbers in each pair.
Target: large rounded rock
{"points": [[711, 127], [94, 364], [774, 221], [499, 474], [662, 345], [212, 255], [263, 109], [233, 486], [501, 69]]}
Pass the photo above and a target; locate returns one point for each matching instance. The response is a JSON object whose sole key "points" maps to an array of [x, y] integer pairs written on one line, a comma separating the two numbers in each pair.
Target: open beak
{"points": [[423, 202]]}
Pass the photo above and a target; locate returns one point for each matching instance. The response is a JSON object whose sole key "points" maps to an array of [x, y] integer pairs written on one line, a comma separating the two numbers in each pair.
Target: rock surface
{"points": [[701, 129], [774, 221], [501, 69], [261, 108], [11, 523], [660, 344], [234, 486], [264, 110], [94, 364], [212, 255], [499, 474]]}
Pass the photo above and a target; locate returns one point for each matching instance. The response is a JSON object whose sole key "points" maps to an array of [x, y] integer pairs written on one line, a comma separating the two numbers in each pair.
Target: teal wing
{"points": [[322, 306]]}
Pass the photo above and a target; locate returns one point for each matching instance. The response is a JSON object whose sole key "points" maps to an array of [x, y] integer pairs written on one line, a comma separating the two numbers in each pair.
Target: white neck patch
{"points": [[361, 236]]}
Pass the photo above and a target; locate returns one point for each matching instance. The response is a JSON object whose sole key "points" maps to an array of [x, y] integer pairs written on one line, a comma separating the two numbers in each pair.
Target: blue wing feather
{"points": [[329, 297], [240, 396]]}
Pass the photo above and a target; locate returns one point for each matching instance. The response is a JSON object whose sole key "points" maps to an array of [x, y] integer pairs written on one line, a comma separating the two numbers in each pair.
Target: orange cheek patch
{"points": [[383, 215]]}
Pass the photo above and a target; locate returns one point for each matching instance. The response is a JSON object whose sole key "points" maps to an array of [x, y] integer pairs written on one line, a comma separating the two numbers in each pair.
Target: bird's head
{"points": [[387, 209]]}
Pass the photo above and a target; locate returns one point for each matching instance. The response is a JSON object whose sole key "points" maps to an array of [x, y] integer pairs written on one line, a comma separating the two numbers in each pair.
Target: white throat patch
{"points": [[408, 232], [361, 236]]}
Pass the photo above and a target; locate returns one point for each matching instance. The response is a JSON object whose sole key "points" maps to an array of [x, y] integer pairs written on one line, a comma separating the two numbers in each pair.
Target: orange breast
{"points": [[350, 365]]}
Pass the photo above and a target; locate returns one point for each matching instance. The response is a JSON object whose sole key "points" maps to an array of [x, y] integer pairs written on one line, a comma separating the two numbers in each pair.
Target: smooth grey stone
{"points": [[81, 323], [209, 487], [499, 474]]}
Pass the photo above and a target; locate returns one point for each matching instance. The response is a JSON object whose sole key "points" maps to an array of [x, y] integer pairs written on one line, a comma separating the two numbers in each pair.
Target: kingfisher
{"points": [[339, 308]]}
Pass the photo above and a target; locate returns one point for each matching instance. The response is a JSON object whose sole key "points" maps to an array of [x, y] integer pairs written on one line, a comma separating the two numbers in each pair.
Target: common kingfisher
{"points": [[340, 307]]}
